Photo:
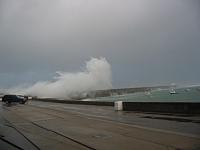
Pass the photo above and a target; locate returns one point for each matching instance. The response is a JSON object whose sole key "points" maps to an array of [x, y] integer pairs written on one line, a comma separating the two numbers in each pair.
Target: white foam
{"points": [[95, 76]]}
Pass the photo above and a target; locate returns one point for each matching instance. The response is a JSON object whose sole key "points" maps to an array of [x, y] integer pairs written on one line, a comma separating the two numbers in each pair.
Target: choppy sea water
{"points": [[189, 94]]}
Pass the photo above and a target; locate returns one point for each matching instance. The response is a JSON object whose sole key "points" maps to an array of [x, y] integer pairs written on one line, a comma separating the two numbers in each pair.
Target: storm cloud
{"points": [[146, 42]]}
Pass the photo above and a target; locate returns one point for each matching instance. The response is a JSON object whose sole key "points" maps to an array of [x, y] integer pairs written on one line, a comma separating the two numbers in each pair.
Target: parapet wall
{"points": [[97, 103], [163, 107], [157, 107]]}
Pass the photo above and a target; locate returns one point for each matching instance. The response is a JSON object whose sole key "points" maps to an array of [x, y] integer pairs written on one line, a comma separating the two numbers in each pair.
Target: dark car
{"points": [[14, 98]]}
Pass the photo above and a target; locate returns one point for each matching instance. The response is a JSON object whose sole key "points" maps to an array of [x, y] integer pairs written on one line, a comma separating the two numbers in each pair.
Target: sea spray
{"points": [[95, 76]]}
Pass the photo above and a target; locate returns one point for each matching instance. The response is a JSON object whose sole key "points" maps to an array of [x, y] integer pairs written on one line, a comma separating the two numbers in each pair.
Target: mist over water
{"points": [[96, 75]]}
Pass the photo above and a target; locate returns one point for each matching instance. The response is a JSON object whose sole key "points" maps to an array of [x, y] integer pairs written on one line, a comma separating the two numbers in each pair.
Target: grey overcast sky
{"points": [[146, 42]]}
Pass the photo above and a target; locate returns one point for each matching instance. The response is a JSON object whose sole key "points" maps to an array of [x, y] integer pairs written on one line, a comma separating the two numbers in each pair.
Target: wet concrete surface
{"points": [[67, 126], [183, 124]]}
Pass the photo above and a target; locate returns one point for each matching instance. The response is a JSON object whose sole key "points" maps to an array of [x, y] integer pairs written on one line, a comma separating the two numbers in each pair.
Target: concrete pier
{"points": [[64, 126]]}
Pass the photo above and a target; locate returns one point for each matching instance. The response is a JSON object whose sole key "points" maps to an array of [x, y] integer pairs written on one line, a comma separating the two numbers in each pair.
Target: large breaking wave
{"points": [[95, 76]]}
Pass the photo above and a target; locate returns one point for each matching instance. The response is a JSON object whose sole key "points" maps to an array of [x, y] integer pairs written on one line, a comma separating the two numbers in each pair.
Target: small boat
{"points": [[172, 91]]}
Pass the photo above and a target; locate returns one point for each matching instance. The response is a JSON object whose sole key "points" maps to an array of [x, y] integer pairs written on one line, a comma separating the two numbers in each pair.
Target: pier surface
{"points": [[45, 125]]}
